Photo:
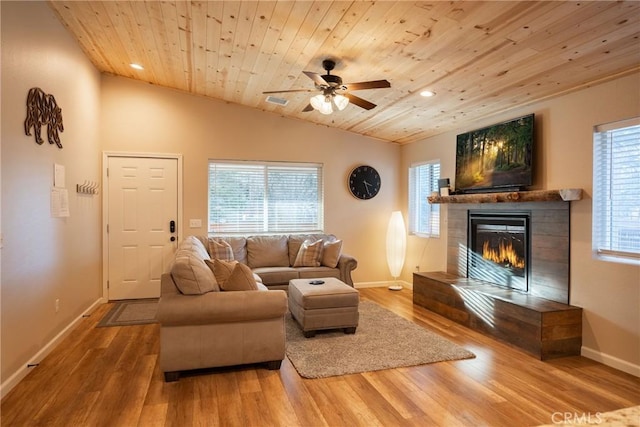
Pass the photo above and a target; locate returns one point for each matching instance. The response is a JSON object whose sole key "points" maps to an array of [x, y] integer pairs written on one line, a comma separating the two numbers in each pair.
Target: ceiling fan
{"points": [[334, 94]]}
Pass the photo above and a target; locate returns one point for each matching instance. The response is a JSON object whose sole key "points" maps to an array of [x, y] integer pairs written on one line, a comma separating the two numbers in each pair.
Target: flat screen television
{"points": [[496, 158]]}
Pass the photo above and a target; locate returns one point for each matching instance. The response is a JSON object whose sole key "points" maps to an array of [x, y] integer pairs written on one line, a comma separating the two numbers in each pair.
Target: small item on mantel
{"points": [[569, 194]]}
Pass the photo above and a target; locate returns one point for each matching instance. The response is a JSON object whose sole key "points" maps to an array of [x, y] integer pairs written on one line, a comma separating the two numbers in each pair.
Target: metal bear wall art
{"points": [[42, 109]]}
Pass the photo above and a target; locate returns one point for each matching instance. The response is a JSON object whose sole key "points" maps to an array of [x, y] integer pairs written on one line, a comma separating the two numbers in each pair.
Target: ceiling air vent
{"points": [[276, 100]]}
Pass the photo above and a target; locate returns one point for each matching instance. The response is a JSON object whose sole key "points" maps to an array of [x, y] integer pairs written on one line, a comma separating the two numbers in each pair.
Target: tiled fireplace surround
{"points": [[549, 257], [541, 322]]}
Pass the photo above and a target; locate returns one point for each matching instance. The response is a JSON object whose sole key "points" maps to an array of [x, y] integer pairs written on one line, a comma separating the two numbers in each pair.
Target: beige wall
{"points": [[138, 117], [45, 258], [608, 292]]}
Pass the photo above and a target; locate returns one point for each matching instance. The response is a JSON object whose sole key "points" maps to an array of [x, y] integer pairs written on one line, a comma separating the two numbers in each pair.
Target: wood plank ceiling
{"points": [[480, 58]]}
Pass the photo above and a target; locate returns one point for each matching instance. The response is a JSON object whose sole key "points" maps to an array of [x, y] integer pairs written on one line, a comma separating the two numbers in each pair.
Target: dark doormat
{"points": [[131, 312]]}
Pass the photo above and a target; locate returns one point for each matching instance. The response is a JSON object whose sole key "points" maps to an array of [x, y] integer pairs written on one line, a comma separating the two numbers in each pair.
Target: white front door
{"points": [[142, 228]]}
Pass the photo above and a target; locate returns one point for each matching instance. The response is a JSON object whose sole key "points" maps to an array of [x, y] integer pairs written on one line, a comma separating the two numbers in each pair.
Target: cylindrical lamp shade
{"points": [[396, 243]]}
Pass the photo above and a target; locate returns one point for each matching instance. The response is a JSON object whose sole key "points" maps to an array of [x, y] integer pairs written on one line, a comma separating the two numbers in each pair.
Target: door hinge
{"points": [[107, 228], [108, 285], [107, 172]]}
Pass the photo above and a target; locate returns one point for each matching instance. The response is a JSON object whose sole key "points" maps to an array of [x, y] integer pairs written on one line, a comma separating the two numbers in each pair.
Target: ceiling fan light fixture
{"points": [[427, 93], [329, 100], [340, 101], [136, 66], [322, 103]]}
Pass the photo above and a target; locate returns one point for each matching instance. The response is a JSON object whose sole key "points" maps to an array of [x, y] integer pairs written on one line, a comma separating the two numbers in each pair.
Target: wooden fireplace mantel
{"points": [[567, 195]]}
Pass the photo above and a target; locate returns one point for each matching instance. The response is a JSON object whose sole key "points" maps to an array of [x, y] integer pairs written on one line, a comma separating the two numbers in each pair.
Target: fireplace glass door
{"points": [[499, 248]]}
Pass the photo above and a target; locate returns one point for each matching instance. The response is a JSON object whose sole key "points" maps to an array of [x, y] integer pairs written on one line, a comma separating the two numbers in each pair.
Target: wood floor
{"points": [[110, 377]]}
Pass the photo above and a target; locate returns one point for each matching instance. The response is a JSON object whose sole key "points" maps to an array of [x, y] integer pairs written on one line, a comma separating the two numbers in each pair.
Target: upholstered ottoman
{"points": [[331, 305]]}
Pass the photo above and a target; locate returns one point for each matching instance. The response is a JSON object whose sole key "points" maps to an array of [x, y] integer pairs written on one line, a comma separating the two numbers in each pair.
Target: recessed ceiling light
{"points": [[427, 93], [136, 66]]}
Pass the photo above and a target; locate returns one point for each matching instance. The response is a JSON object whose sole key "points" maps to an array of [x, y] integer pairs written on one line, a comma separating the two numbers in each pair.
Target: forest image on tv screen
{"points": [[495, 156]]}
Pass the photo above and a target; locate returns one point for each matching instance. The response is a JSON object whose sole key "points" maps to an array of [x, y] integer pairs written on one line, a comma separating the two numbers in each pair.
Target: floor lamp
{"points": [[396, 246]]}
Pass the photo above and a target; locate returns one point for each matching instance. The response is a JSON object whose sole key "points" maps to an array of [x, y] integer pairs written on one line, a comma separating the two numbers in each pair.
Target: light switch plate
{"points": [[195, 223]]}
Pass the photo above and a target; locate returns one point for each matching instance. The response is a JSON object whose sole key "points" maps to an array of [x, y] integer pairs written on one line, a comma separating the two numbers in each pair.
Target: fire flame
{"points": [[504, 254]]}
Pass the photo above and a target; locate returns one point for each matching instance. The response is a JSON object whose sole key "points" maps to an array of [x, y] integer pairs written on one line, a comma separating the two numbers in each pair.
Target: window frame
{"points": [[608, 204], [267, 207], [414, 209]]}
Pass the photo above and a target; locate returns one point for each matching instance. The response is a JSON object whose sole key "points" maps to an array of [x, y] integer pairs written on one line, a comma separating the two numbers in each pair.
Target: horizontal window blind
{"points": [[616, 190], [265, 197], [424, 218]]}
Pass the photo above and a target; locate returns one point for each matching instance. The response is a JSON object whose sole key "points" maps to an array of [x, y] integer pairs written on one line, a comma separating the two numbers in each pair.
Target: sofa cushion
{"points": [[239, 246], [193, 244], [220, 250], [267, 251], [318, 272], [309, 254], [331, 253], [276, 275], [192, 276], [240, 279]]}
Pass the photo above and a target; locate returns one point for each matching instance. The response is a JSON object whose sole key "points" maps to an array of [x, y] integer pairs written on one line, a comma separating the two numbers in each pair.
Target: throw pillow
{"points": [[296, 240], [240, 279], [221, 269], [192, 277], [310, 254], [331, 253], [220, 250]]}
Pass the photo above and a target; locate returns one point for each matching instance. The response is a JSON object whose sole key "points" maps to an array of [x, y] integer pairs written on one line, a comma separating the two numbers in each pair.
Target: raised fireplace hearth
{"points": [[545, 329]]}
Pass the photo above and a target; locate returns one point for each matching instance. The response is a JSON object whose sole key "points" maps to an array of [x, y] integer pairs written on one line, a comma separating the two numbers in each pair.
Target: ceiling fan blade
{"points": [[308, 108], [290, 90], [363, 103], [317, 78], [373, 84]]}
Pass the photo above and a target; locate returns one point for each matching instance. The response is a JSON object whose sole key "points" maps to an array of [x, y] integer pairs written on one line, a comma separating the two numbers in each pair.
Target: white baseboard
{"points": [[614, 362], [18, 376], [404, 284]]}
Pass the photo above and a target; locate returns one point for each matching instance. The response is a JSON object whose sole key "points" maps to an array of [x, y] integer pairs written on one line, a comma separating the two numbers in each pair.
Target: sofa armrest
{"points": [[221, 307], [346, 264]]}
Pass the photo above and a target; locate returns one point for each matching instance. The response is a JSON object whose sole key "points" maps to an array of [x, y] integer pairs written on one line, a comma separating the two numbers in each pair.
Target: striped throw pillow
{"points": [[219, 249], [310, 254]]}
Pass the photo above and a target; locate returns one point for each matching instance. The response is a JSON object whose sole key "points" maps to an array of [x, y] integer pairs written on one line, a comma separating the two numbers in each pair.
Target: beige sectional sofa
{"points": [[273, 257], [215, 311]]}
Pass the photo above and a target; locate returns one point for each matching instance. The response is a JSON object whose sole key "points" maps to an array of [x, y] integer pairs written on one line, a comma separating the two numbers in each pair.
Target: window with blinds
{"points": [[265, 197], [616, 191], [424, 218]]}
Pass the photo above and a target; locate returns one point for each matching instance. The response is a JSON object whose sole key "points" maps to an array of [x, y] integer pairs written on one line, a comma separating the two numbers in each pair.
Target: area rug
{"points": [[131, 312], [383, 340]]}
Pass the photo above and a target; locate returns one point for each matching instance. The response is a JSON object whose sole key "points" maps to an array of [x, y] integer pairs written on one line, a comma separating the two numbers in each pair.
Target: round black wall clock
{"points": [[364, 182]]}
